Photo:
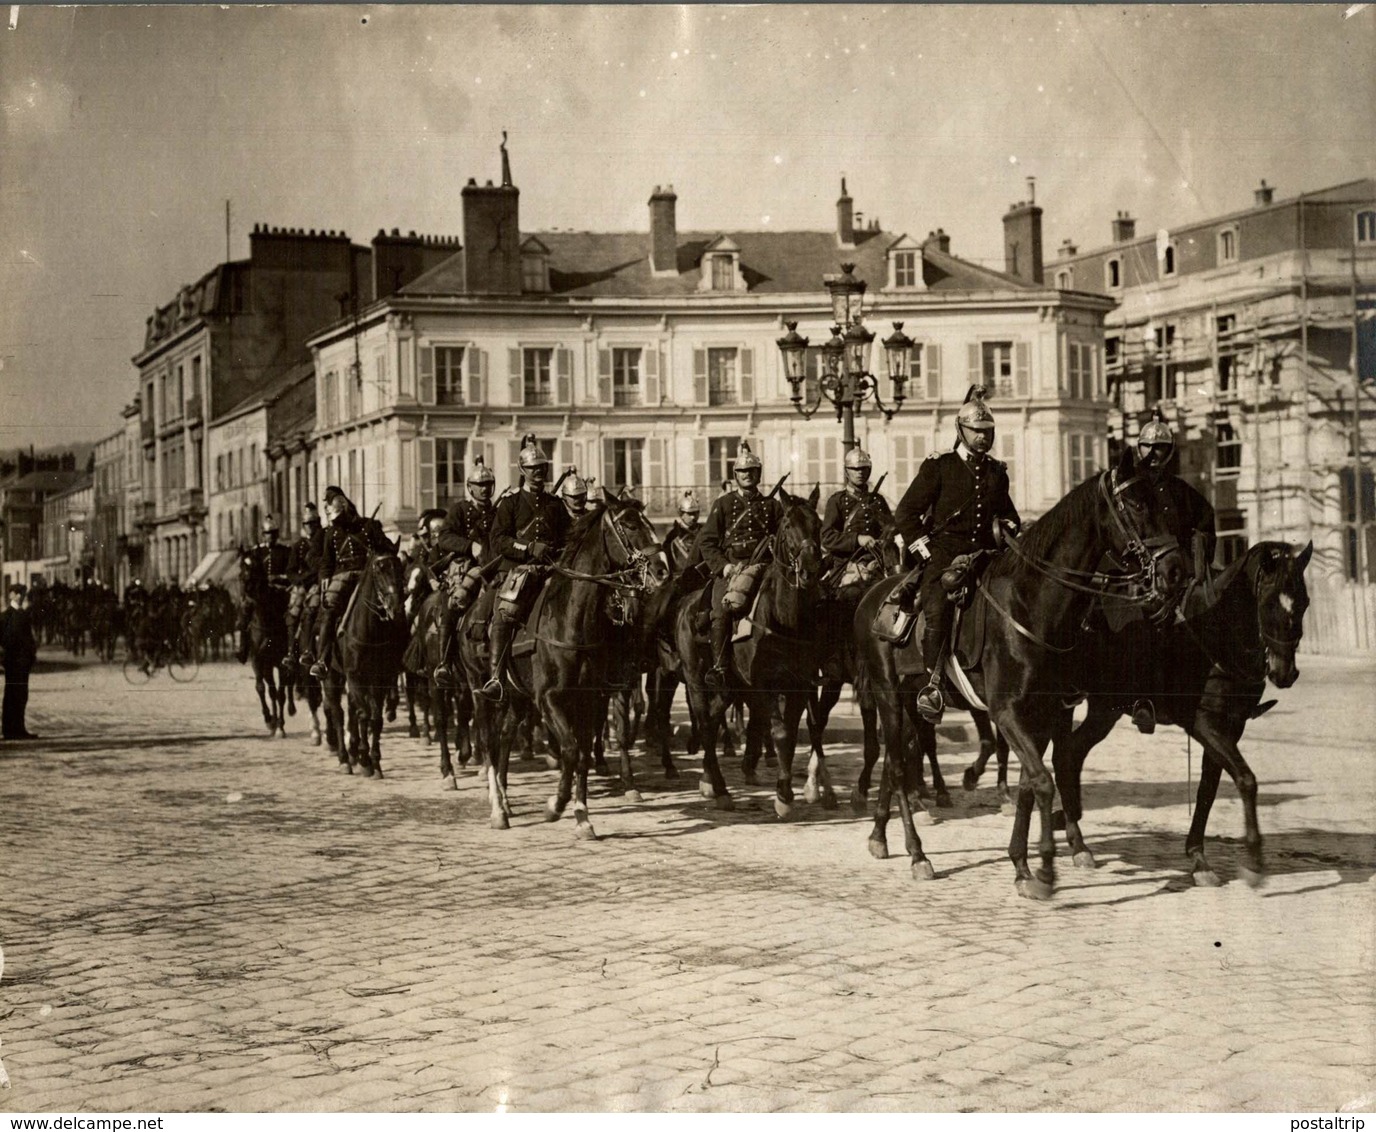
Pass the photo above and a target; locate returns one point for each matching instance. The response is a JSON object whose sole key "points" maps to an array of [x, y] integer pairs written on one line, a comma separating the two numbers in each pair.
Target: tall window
{"points": [[1082, 464], [1227, 360], [328, 397], [1227, 245], [1229, 445], [449, 471], [1080, 370], [1065, 280], [536, 363], [997, 368], [625, 377], [721, 454], [1366, 227], [723, 273], [721, 376], [180, 398], [449, 375], [196, 376], [533, 273], [905, 269], [1113, 273], [1165, 373], [1168, 261], [353, 391], [627, 464]]}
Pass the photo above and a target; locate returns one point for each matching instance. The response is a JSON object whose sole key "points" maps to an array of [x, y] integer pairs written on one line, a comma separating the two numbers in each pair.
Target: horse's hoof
{"points": [[970, 779], [879, 848], [551, 763], [859, 803], [367, 772], [1033, 888], [1008, 809], [922, 817], [705, 787], [291, 707], [281, 732], [670, 772], [499, 822], [633, 795], [346, 768], [391, 715], [828, 799], [782, 810], [750, 778], [812, 794], [602, 770], [315, 738], [1205, 878], [429, 740], [552, 811], [449, 782], [584, 831], [922, 870], [1084, 859], [413, 731], [943, 800], [377, 770], [725, 802], [1254, 877]]}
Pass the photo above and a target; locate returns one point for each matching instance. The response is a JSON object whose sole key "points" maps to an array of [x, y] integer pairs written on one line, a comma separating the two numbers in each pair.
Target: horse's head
{"points": [[1277, 575], [1143, 535], [798, 541], [630, 541], [250, 571], [387, 585]]}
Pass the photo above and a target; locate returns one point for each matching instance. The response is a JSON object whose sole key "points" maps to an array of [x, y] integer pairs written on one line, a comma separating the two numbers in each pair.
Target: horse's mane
{"points": [[586, 524], [1074, 510]]}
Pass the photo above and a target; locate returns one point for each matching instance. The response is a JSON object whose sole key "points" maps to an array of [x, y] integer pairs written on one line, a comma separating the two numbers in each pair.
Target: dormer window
{"points": [[1366, 227], [905, 264], [1168, 259], [534, 266], [1065, 280], [1227, 245], [721, 266], [1113, 274]]}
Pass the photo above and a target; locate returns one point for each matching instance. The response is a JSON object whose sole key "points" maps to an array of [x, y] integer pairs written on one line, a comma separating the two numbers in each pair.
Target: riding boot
{"points": [[930, 701], [498, 642], [1144, 716], [444, 672], [715, 676], [322, 643]]}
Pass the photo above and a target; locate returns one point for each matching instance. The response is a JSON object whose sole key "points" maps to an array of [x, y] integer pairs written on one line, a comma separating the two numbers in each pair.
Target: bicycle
{"points": [[178, 656]]}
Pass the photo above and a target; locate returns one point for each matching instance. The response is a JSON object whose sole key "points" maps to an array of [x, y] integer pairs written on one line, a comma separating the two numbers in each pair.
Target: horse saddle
{"points": [[893, 623], [348, 609], [968, 634], [523, 642]]}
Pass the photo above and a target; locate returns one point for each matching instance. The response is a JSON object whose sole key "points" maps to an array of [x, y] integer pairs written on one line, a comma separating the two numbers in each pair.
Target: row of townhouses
{"points": [[645, 358]]}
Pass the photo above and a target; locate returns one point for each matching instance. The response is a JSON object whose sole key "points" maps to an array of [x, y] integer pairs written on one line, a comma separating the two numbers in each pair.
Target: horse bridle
{"points": [[795, 568], [632, 572]]}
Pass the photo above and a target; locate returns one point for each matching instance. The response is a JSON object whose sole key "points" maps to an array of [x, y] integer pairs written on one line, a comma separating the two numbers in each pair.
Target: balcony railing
{"points": [[190, 501]]}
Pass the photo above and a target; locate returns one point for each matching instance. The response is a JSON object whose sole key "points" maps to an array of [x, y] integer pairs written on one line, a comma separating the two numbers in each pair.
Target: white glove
{"points": [[865, 541], [919, 546]]}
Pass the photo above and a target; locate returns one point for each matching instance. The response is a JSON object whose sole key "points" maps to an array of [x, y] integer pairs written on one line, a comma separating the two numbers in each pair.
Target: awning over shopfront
{"points": [[216, 566]]}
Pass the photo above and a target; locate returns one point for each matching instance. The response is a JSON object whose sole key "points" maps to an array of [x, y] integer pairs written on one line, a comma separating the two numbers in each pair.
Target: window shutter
{"points": [[975, 374], [405, 386], [609, 463], [650, 357], [700, 468], [513, 448], [1070, 369], [565, 457], [427, 377], [515, 378], [700, 377], [812, 466], [475, 362], [831, 469], [657, 471], [564, 362], [425, 448], [604, 377], [1022, 369], [747, 356], [900, 462], [933, 360]]}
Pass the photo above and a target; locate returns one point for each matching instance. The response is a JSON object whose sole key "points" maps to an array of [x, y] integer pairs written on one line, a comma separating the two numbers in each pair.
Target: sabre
{"points": [[778, 485]]}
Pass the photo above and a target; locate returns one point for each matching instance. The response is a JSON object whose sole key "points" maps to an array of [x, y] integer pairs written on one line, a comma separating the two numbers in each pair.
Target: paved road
{"points": [[198, 920]]}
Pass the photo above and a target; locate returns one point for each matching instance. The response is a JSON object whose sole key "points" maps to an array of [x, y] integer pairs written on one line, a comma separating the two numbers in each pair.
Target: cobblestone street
{"points": [[195, 917]]}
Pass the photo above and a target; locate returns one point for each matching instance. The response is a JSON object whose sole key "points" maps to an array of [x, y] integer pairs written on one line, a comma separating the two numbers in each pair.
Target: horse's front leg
{"points": [[869, 718], [621, 733], [1028, 737], [441, 702], [1201, 872], [1070, 747], [376, 737], [1219, 736], [784, 717], [559, 707], [585, 727]]}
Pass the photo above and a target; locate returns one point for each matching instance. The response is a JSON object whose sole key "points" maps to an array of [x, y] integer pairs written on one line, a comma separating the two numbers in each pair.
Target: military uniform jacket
{"points": [[274, 558], [303, 565], [525, 517], [1188, 513], [850, 515], [957, 500], [347, 545], [735, 527], [468, 522], [678, 546]]}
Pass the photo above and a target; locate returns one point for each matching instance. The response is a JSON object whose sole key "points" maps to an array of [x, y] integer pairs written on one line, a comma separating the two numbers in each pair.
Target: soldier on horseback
{"points": [[1191, 515], [528, 532], [273, 557], [949, 510], [303, 569], [854, 519], [733, 544], [462, 550], [348, 542], [573, 490], [678, 543]]}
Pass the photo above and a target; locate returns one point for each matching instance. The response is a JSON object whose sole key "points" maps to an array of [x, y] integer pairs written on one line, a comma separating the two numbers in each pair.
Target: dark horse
{"points": [[775, 671], [372, 638], [1210, 671], [267, 639], [439, 704], [1031, 603], [576, 633]]}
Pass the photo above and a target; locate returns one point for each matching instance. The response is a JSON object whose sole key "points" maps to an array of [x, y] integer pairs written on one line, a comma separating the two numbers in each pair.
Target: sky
{"points": [[123, 131]]}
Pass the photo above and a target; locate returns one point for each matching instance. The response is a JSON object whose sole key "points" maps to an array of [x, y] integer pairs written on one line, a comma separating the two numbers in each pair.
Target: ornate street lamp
{"points": [[845, 381]]}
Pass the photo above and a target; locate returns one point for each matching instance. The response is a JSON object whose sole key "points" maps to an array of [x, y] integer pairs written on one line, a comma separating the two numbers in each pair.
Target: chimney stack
{"points": [[939, 240], [663, 231], [1068, 248], [1022, 242], [1124, 228], [1264, 194], [845, 218], [492, 235]]}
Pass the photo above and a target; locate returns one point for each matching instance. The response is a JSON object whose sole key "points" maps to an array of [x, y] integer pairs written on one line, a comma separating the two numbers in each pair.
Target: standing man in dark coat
{"points": [[949, 510], [19, 650]]}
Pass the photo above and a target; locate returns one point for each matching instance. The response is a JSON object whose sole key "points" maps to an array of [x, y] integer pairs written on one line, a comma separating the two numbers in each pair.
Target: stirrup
{"points": [[715, 677], [930, 703], [492, 690], [443, 676], [318, 670], [1144, 716]]}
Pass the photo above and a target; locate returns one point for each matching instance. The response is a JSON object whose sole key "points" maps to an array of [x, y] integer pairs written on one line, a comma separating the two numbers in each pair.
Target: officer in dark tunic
{"points": [[529, 529], [738, 523], [461, 549], [855, 517], [1191, 519], [950, 509], [678, 543], [348, 542], [272, 556]]}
